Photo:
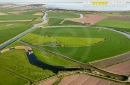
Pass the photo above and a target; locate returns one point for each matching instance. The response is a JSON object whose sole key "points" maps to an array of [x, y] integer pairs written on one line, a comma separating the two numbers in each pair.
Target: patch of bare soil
{"points": [[3, 13], [15, 20], [39, 13], [49, 82], [90, 18], [82, 79], [17, 12], [122, 68]]}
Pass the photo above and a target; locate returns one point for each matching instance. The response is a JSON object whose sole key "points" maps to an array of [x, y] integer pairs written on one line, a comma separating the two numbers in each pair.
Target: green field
{"points": [[11, 29], [57, 21], [51, 59], [16, 61], [28, 15], [117, 24], [114, 45], [109, 13], [7, 78], [46, 57], [63, 15], [60, 41]]}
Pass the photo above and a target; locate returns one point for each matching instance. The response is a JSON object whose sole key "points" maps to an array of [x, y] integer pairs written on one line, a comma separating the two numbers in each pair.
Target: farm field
{"points": [[46, 57], [61, 41], [79, 79], [121, 68], [7, 78], [109, 13], [57, 21], [27, 15], [63, 15], [16, 61], [109, 48], [11, 29], [117, 24]]}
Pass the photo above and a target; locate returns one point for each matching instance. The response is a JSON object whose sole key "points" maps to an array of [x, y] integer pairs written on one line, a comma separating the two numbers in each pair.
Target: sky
{"points": [[56, 0]]}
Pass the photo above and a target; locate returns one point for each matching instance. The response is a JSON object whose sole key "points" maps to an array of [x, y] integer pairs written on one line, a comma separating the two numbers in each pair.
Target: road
{"points": [[24, 33]]}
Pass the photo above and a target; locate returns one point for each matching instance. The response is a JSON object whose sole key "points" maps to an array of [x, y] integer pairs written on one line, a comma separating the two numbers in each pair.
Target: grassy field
{"points": [[60, 41], [16, 61], [46, 57], [7, 78], [63, 15], [11, 29], [117, 24], [109, 13], [57, 21], [28, 15], [51, 59], [116, 43]]}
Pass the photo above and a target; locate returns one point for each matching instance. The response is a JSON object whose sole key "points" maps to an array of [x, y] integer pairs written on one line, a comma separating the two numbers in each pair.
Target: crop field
{"points": [[63, 15], [11, 29], [16, 62], [109, 13], [57, 21], [109, 48], [7, 78], [117, 24], [27, 15], [61, 41], [78, 79]]}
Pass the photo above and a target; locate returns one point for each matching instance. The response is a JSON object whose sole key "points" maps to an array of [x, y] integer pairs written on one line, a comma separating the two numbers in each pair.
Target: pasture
{"points": [[9, 30], [57, 21], [117, 24], [27, 15], [63, 15], [61, 41], [114, 45], [85, 54], [17, 63], [7, 78], [51, 59]]}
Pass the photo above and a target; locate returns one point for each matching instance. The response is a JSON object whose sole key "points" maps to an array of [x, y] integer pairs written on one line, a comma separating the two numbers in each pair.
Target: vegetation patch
{"points": [[116, 43], [117, 24], [16, 61], [7, 32]]}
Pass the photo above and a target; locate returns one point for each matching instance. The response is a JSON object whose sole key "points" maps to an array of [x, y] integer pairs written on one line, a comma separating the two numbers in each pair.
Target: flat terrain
{"points": [[9, 30], [18, 15], [111, 61], [113, 23], [61, 41], [89, 18], [109, 48], [52, 59], [58, 21], [16, 62], [80, 79], [62, 15], [121, 68], [7, 78]]}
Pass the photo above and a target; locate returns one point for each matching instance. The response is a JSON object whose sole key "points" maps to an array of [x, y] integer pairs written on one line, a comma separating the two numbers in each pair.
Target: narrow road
{"points": [[24, 33]]}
